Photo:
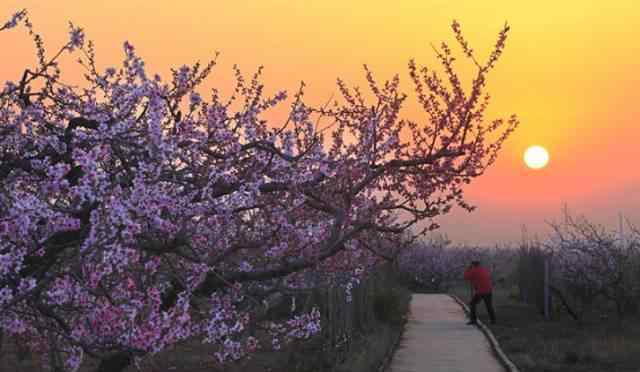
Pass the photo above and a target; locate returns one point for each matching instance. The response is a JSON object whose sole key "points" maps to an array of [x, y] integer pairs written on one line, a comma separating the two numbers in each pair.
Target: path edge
{"points": [[495, 346]]}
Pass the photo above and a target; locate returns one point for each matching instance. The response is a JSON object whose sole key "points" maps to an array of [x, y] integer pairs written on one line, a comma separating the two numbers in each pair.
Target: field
{"points": [[561, 344]]}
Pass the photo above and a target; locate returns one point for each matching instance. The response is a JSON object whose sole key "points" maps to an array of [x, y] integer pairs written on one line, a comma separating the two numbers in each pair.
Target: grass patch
{"points": [[367, 355], [391, 305], [561, 344]]}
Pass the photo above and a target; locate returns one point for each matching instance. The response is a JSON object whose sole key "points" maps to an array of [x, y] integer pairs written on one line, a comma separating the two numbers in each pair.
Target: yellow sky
{"points": [[570, 71]]}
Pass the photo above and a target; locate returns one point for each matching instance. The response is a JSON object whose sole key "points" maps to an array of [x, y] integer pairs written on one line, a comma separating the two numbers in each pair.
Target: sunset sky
{"points": [[571, 72]]}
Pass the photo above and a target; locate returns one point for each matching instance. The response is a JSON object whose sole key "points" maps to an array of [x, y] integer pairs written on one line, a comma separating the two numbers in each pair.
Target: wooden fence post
{"points": [[547, 313]]}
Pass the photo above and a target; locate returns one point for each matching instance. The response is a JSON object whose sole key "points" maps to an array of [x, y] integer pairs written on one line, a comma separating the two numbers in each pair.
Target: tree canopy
{"points": [[136, 212]]}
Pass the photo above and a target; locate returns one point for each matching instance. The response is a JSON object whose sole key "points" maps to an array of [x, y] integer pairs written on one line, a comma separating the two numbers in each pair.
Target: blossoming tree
{"points": [[435, 265], [135, 213], [592, 263]]}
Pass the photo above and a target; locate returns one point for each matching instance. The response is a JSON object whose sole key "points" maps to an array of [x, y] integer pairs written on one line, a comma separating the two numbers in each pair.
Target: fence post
{"points": [[546, 288]]}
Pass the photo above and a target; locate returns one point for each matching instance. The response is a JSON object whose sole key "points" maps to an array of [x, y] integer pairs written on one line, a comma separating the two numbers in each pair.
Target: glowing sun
{"points": [[536, 157]]}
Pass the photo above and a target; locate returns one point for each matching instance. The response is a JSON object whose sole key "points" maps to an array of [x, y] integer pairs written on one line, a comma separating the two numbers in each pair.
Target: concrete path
{"points": [[436, 339]]}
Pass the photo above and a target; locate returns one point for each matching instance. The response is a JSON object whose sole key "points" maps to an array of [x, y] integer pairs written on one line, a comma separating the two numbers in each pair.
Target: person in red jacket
{"points": [[481, 282]]}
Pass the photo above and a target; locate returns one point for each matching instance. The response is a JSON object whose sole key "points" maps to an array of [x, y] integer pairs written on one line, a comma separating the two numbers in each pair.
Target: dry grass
{"points": [[561, 344], [367, 354]]}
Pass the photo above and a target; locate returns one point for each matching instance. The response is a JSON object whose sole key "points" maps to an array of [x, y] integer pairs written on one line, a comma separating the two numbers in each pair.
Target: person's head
{"points": [[475, 263]]}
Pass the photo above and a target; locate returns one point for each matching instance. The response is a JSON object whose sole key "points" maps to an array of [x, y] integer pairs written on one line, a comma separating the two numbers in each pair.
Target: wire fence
{"points": [[347, 317]]}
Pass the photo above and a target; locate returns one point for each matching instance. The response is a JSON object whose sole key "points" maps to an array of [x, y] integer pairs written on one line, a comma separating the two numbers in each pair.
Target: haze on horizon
{"points": [[570, 72]]}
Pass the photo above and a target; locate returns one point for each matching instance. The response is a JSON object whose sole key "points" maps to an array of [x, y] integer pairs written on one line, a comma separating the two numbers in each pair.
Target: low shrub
{"points": [[391, 305]]}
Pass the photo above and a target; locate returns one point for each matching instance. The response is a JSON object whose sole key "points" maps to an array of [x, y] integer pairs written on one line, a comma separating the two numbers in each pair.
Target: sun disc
{"points": [[536, 157]]}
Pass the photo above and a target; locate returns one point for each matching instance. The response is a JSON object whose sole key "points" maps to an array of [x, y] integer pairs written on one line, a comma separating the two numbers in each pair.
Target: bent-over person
{"points": [[480, 279]]}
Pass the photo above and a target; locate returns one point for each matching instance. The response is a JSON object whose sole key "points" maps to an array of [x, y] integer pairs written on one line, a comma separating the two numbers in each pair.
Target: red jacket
{"points": [[480, 279]]}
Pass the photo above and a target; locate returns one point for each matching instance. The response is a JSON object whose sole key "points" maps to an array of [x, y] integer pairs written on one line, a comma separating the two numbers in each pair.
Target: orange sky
{"points": [[570, 71]]}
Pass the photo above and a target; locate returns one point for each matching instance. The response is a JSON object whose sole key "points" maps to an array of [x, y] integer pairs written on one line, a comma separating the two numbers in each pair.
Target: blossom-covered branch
{"points": [[136, 213]]}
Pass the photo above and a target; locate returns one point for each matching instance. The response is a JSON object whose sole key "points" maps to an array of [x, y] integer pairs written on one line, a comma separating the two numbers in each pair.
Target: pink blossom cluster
{"points": [[136, 211]]}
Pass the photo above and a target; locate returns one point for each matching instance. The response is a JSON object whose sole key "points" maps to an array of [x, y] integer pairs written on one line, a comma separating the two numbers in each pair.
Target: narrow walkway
{"points": [[436, 339]]}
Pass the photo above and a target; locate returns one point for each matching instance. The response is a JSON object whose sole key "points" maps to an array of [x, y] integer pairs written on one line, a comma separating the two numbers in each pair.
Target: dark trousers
{"points": [[488, 301]]}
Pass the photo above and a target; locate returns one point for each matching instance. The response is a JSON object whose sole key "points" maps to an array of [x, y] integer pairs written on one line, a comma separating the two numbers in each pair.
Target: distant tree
{"points": [[592, 263], [433, 264], [436, 264], [136, 213]]}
